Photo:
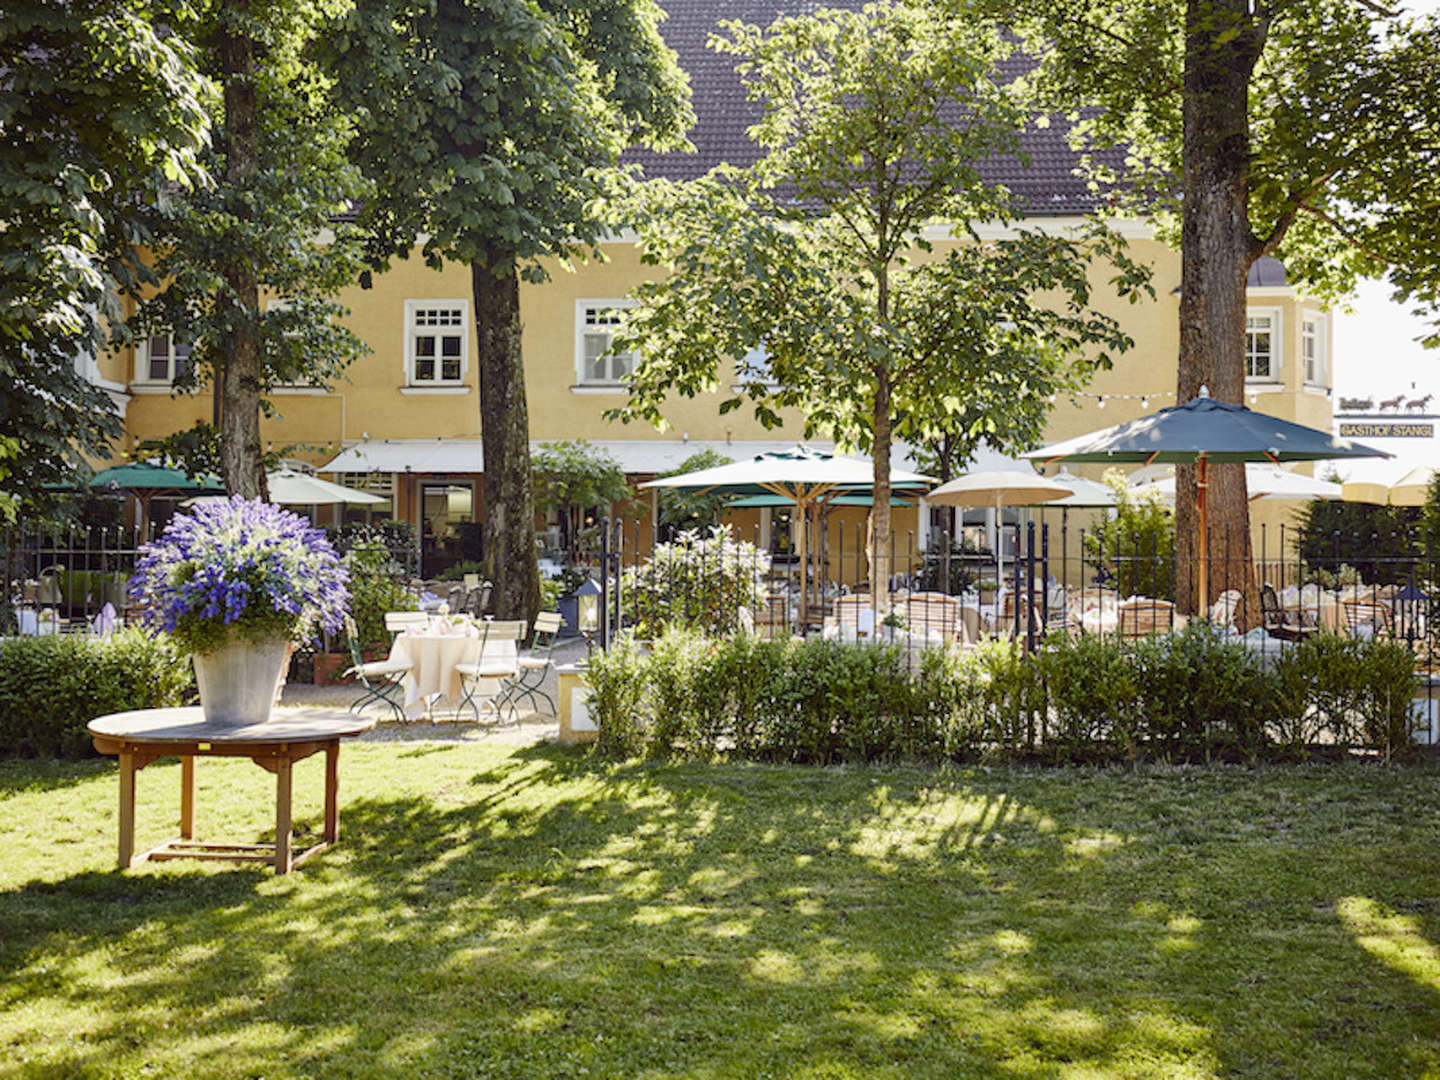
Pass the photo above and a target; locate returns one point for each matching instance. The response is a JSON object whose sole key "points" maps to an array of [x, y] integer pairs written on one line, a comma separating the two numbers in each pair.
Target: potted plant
{"points": [[237, 583], [988, 587]]}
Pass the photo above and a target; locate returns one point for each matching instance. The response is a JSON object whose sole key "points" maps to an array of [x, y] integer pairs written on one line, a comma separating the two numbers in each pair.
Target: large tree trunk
{"points": [[1216, 255], [508, 534], [240, 370]]}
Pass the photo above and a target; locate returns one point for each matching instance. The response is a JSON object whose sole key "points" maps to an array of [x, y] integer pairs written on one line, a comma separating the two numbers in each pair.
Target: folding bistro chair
{"points": [[492, 668], [380, 678], [529, 683], [397, 622]]}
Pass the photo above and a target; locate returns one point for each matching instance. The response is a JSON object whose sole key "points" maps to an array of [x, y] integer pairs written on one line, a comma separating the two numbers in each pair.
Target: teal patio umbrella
{"points": [[1201, 431], [145, 480]]}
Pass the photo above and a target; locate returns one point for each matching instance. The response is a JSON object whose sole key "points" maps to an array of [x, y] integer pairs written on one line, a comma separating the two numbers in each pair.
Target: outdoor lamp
{"points": [[587, 611]]}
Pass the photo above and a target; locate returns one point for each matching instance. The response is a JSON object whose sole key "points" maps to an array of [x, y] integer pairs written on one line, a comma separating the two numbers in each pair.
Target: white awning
{"points": [[408, 455], [636, 456]]}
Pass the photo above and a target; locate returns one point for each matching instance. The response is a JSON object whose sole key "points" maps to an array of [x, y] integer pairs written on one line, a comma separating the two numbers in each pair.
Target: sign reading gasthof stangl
{"points": [[1387, 431]]}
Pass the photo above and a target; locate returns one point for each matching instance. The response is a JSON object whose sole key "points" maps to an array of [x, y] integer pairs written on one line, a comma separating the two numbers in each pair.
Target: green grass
{"points": [[502, 912]]}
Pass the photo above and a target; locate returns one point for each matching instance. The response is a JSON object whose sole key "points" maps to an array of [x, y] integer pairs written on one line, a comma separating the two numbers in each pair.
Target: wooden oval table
{"points": [[139, 737]]}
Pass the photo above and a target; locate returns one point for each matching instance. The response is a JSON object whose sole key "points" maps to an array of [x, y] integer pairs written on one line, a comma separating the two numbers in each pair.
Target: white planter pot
{"points": [[238, 681]]}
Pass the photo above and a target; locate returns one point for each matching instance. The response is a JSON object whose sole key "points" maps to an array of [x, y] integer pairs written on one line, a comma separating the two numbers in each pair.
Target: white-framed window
{"points": [[596, 322], [160, 360], [1312, 348], [1262, 344], [437, 342]]}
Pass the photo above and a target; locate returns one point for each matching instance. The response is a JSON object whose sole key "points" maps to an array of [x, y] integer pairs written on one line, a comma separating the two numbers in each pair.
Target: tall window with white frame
{"points": [[1312, 349], [596, 322], [1262, 346], [437, 336], [160, 360]]}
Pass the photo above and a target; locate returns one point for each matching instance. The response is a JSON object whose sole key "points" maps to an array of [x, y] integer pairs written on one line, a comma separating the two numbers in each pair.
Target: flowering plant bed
{"points": [[238, 568]]}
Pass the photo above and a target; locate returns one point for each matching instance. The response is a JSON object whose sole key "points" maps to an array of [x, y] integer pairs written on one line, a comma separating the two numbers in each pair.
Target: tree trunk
{"points": [[508, 533], [1216, 248], [880, 510], [239, 368]]}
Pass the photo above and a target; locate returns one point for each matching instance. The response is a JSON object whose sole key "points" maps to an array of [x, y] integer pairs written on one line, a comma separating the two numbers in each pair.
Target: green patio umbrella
{"points": [[1200, 431], [145, 480]]}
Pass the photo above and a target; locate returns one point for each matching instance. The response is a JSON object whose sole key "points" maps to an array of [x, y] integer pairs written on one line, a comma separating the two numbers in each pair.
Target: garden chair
{"points": [[927, 611], [529, 683], [1273, 618], [1141, 618], [497, 667], [773, 619], [1366, 618], [477, 600], [380, 678], [397, 622]]}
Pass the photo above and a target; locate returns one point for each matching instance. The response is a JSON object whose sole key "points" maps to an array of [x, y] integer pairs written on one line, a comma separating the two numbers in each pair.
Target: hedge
{"points": [[52, 686], [1185, 697]]}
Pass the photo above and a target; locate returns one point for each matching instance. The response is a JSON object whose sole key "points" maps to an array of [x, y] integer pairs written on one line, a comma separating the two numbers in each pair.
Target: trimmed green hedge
{"points": [[1190, 696], [52, 686]]}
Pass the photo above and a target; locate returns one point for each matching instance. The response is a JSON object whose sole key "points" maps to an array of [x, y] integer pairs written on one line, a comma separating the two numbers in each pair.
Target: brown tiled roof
{"points": [[1049, 186]]}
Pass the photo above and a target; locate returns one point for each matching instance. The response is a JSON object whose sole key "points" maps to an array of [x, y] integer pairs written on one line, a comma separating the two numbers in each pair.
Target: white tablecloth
{"points": [[432, 659]]}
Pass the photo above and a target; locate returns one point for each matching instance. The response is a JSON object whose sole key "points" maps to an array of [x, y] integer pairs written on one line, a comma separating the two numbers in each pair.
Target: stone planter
{"points": [[240, 680]]}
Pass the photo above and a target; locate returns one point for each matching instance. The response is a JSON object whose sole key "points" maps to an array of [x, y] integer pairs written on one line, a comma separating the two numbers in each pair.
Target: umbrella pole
{"points": [[1200, 486], [802, 505]]}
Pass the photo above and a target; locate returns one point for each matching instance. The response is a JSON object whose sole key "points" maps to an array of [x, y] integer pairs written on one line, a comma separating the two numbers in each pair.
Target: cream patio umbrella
{"points": [[1410, 490], [1000, 488]]}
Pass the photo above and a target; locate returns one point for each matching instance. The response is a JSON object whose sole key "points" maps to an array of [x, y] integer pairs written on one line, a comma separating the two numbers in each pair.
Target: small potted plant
{"points": [[237, 583]]}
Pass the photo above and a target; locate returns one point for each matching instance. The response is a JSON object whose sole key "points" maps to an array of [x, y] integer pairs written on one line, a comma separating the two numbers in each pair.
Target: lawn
{"points": [[530, 912]]}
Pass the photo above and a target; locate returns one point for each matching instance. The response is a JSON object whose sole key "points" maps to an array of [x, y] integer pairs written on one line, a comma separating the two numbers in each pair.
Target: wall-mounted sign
{"points": [[1387, 431]]}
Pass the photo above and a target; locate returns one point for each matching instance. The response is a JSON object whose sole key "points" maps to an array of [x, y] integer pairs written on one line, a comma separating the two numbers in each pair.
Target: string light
{"points": [[1102, 400]]}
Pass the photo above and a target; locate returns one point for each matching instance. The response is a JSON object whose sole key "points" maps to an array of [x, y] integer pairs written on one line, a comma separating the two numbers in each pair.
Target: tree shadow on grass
{"points": [[564, 914]]}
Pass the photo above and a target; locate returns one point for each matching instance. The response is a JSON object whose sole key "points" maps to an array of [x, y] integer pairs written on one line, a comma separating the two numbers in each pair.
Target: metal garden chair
{"points": [[380, 678]]}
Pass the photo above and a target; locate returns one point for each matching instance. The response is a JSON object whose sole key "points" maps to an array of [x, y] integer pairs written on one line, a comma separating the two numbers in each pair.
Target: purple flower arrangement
{"points": [[245, 568]]}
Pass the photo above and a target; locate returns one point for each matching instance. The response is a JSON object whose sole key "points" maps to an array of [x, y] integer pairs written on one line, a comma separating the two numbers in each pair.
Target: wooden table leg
{"points": [[332, 792], [187, 797], [282, 816], [126, 854]]}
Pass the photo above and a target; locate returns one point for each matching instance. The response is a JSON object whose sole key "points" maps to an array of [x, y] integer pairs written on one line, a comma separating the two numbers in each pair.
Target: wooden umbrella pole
{"points": [[1200, 486], [802, 504]]}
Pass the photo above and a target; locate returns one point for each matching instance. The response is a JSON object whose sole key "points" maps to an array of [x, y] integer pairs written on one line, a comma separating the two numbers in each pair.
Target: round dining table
{"points": [[433, 656]]}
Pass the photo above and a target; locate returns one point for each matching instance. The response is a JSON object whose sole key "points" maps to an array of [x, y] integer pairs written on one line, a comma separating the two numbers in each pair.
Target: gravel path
{"points": [[449, 725]]}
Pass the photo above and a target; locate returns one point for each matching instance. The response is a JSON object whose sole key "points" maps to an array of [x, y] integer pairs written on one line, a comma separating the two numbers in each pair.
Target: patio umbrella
{"points": [[999, 488], [145, 479], [1262, 481], [1410, 490], [291, 488], [754, 501], [807, 476], [1088, 493], [1202, 431]]}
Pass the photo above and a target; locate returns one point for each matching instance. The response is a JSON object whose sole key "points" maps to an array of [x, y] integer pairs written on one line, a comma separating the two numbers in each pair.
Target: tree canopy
{"points": [[815, 270], [251, 262], [491, 128], [100, 113]]}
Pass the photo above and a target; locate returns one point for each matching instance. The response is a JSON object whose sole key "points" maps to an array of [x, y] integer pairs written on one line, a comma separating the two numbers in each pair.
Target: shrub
{"points": [[51, 687], [377, 585], [1136, 549], [617, 678], [1203, 695], [1355, 692], [701, 581], [1094, 693]]}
